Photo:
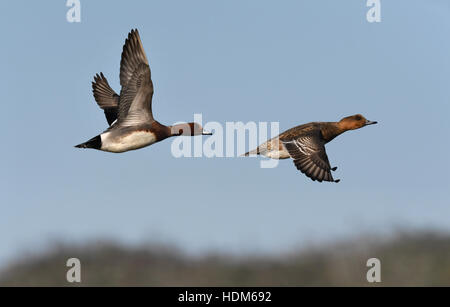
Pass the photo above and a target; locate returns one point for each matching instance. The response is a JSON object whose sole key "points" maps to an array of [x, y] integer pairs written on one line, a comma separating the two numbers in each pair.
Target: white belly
{"points": [[274, 149], [277, 154], [132, 141]]}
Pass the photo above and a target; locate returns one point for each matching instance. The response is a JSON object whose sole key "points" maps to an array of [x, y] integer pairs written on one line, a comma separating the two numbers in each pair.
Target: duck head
{"points": [[354, 122], [188, 129]]}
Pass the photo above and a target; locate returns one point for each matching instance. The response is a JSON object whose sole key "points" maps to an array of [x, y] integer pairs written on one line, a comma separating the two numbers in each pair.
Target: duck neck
{"points": [[173, 130], [331, 130], [177, 130], [187, 129], [162, 132]]}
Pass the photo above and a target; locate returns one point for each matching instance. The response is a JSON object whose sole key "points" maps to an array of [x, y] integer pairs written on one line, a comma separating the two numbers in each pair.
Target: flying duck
{"points": [[305, 144], [129, 114]]}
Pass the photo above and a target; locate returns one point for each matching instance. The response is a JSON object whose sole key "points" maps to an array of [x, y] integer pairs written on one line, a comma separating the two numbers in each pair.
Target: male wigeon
{"points": [[132, 125], [305, 144]]}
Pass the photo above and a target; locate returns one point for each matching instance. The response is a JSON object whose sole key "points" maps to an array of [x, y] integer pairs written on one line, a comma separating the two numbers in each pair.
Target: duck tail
{"points": [[95, 143], [253, 152]]}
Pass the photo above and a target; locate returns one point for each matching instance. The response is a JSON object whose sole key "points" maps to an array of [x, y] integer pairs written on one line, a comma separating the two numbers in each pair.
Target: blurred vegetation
{"points": [[407, 259]]}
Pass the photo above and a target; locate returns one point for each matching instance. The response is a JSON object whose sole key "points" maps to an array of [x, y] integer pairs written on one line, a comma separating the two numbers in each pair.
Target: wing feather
{"points": [[135, 103], [105, 97], [308, 153], [133, 55]]}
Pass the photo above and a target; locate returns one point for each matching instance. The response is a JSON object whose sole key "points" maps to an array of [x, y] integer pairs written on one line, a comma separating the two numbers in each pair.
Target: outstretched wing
{"points": [[105, 97], [133, 55], [310, 157], [135, 104]]}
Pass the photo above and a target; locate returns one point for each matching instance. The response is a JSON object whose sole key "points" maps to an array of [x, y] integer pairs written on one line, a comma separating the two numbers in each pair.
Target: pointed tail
{"points": [[95, 143], [253, 152]]}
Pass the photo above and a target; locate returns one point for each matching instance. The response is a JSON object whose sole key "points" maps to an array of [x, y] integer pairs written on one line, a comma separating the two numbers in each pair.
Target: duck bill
{"points": [[206, 133], [369, 122]]}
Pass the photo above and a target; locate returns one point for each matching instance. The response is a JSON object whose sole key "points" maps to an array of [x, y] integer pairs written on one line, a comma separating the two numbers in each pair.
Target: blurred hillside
{"points": [[407, 259]]}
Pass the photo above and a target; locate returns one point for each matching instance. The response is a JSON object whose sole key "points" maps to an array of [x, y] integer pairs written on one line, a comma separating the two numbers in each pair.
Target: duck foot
{"points": [[334, 168]]}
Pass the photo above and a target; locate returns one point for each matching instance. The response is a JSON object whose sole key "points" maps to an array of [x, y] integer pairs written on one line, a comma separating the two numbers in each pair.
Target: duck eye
{"points": [[358, 117]]}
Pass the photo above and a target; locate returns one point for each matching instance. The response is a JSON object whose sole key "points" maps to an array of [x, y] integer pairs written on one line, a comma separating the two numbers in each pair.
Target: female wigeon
{"points": [[305, 144], [130, 114]]}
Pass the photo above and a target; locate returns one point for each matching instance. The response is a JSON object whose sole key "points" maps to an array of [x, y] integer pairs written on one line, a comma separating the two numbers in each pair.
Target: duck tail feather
{"points": [[95, 143], [251, 153]]}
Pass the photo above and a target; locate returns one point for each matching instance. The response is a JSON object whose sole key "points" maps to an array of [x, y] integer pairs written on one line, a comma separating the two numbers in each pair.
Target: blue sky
{"points": [[287, 61]]}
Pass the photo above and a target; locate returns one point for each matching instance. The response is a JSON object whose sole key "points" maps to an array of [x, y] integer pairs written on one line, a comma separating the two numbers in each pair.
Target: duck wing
{"points": [[308, 153], [135, 103], [133, 55], [105, 97]]}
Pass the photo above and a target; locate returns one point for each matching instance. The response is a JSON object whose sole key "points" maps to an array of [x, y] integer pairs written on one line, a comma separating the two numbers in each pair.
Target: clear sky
{"points": [[287, 61]]}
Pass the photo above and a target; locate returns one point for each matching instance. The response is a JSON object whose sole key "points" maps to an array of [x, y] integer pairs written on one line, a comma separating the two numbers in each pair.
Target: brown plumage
{"points": [[105, 97], [305, 144], [129, 114]]}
